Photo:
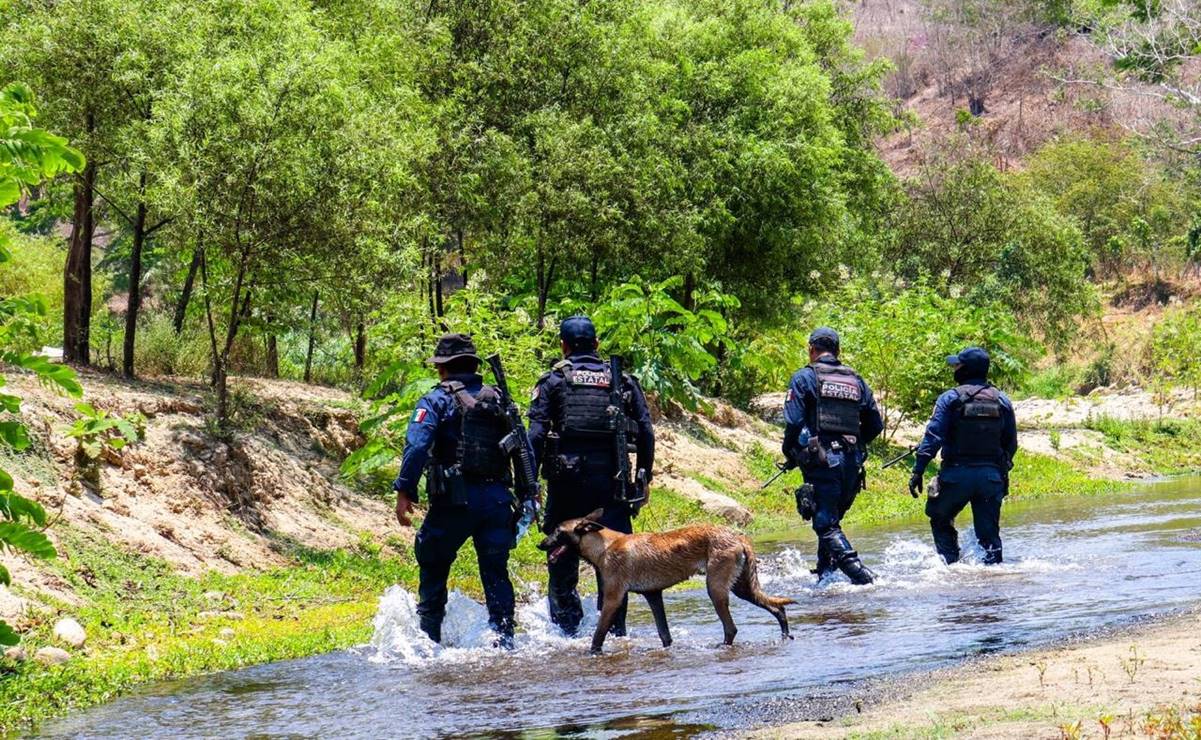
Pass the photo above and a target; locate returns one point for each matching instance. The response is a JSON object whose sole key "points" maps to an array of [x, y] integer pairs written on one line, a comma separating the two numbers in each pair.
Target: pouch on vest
{"points": [[978, 426], [585, 407], [482, 427], [839, 395]]}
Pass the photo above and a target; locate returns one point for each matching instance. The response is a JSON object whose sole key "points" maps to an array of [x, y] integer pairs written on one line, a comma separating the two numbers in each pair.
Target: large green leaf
{"points": [[20, 537], [5, 578], [8, 636], [14, 435], [13, 506]]}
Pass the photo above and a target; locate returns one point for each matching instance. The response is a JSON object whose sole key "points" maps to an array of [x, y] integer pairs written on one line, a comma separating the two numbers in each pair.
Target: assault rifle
{"points": [[781, 469], [627, 489], [516, 445], [898, 458]]}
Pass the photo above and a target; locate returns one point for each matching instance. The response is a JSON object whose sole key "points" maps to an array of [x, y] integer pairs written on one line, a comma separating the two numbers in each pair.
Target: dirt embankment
{"points": [[188, 496], [1136, 684]]}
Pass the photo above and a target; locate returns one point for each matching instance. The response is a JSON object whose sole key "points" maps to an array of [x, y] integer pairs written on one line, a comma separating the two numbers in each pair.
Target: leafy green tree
{"points": [[28, 155]]}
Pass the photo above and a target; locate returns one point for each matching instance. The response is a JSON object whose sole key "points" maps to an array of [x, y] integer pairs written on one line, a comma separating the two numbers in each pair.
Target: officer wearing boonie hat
{"points": [[573, 440], [830, 417], [454, 439], [974, 426]]}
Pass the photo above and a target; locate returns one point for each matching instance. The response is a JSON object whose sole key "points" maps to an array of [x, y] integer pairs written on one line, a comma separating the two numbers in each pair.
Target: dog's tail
{"points": [[747, 584]]}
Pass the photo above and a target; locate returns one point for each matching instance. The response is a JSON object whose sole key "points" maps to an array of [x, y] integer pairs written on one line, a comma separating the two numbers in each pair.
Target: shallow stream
{"points": [[1073, 566]]}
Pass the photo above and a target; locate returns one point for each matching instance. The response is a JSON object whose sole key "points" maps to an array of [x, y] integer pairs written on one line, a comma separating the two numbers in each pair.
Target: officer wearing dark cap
{"points": [[974, 426], [830, 417], [454, 437], [573, 443]]}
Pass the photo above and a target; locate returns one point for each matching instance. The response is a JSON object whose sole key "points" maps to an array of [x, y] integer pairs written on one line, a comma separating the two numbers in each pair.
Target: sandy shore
{"points": [[1139, 682]]}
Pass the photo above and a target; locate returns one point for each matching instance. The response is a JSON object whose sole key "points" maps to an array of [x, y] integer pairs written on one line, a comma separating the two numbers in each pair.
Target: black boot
{"points": [[432, 627], [992, 556], [845, 557], [825, 566]]}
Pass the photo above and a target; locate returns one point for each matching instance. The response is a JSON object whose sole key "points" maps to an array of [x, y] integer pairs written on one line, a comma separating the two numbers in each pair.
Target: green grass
{"points": [[1165, 446]]}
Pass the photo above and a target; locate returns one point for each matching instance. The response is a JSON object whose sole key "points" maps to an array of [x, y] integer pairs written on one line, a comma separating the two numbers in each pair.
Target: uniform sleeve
{"points": [[1009, 430], [871, 423], [936, 432], [640, 412], [539, 417], [419, 440], [794, 413]]}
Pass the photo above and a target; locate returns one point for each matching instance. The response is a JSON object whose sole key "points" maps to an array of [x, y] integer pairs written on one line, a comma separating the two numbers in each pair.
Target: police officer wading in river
{"points": [[454, 436], [830, 417], [579, 417], [974, 426]]}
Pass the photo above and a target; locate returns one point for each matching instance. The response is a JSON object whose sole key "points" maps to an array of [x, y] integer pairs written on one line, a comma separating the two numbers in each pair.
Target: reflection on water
{"points": [[1073, 565]]}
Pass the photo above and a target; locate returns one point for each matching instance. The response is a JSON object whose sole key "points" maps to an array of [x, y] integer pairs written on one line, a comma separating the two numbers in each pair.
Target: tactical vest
{"points": [[977, 425], [839, 396], [585, 408], [482, 426]]}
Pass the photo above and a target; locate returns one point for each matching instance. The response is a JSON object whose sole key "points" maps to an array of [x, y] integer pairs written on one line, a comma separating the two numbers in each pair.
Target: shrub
{"points": [[160, 351]]}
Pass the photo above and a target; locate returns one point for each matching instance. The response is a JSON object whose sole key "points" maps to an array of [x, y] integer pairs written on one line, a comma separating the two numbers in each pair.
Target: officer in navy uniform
{"points": [[454, 438], [830, 417], [974, 426], [574, 447]]}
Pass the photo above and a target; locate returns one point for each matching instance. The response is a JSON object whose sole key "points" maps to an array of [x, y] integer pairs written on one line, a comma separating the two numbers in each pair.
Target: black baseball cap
{"points": [[452, 347], [577, 331], [825, 338], [973, 359]]}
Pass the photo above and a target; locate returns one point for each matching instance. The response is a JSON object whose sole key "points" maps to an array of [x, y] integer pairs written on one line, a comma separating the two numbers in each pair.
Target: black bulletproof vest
{"points": [[977, 424], [585, 408], [839, 395], [482, 426]]}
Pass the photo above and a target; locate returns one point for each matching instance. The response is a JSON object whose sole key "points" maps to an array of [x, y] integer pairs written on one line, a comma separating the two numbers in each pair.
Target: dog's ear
{"points": [[595, 516], [585, 526]]}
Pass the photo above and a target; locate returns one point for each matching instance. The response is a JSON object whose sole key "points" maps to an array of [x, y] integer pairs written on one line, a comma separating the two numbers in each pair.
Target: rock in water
{"points": [[51, 656], [70, 632]]}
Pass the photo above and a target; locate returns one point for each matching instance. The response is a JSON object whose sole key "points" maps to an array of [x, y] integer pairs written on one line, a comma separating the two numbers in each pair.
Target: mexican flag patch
{"points": [[419, 415]]}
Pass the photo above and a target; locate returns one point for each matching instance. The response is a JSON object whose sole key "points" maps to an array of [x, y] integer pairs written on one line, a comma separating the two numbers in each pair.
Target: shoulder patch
{"points": [[791, 395], [537, 392], [419, 416]]}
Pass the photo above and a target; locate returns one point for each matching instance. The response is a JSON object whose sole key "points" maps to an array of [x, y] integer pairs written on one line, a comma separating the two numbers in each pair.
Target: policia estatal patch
{"points": [[593, 378]]}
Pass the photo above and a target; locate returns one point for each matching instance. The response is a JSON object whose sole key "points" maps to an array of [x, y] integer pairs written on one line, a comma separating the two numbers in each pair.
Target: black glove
{"points": [[915, 484]]}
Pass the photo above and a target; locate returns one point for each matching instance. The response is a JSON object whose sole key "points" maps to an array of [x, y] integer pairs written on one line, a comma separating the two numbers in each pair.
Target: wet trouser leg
{"points": [[986, 516], [493, 536], [438, 541], [563, 576], [834, 491], [617, 518], [959, 486]]}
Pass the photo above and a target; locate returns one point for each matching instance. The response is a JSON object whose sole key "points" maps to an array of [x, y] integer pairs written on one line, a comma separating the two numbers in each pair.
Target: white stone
{"points": [[16, 652], [51, 656], [70, 632], [226, 633]]}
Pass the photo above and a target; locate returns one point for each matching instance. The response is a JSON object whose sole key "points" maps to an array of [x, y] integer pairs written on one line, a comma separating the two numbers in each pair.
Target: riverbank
{"points": [[1140, 682], [190, 552]]}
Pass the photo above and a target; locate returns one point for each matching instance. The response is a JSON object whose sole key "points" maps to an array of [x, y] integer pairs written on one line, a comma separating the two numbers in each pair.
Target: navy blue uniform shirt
{"points": [[938, 429], [549, 391], [435, 422], [800, 408]]}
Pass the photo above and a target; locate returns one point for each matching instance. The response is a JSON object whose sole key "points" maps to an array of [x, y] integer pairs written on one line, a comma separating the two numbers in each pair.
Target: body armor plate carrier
{"points": [[482, 426], [978, 423], [839, 395], [584, 411]]}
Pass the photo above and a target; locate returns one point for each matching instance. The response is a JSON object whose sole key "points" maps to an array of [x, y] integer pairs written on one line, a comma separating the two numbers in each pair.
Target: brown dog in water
{"points": [[649, 563]]}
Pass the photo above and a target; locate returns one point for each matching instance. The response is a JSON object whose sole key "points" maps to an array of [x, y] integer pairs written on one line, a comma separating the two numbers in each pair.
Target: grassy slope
{"points": [[148, 623]]}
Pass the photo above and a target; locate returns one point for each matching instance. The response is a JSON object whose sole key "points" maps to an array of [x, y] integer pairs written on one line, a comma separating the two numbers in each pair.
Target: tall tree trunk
{"points": [[181, 308], [360, 348], [272, 349], [308, 355], [439, 309], [545, 278], [689, 301], [77, 274], [594, 275], [135, 283]]}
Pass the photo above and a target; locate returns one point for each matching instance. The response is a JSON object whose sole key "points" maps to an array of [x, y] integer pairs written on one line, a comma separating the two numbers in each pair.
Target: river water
{"points": [[1073, 566]]}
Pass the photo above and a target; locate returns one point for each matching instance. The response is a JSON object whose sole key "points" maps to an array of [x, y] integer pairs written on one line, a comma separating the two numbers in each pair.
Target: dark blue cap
{"points": [[825, 338], [973, 359], [578, 331]]}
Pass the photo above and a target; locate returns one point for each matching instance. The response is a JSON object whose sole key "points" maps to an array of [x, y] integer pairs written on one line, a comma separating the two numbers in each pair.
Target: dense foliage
{"points": [[27, 156]]}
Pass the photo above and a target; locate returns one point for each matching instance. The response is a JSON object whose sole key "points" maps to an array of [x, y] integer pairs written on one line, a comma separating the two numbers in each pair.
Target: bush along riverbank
{"points": [[168, 580]]}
